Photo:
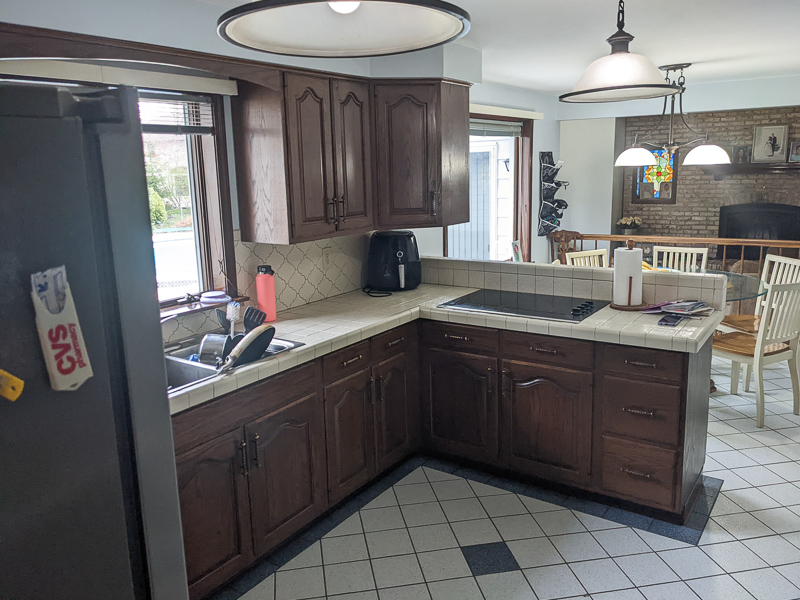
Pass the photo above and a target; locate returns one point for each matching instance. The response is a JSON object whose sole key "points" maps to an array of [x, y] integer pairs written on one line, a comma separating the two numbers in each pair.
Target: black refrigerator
{"points": [[89, 504]]}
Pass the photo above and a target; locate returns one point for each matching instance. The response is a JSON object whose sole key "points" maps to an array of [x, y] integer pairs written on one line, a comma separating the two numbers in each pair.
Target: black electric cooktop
{"points": [[536, 306]]}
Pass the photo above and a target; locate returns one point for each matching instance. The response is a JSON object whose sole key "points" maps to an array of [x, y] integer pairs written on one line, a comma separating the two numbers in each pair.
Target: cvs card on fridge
{"points": [[59, 331]]}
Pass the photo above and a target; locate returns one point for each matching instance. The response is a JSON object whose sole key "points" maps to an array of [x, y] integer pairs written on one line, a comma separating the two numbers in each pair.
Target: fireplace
{"points": [[758, 221]]}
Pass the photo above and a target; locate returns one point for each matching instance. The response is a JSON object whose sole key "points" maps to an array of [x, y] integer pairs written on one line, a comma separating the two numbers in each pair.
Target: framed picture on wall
{"points": [[769, 143], [794, 152], [741, 154], [656, 184]]}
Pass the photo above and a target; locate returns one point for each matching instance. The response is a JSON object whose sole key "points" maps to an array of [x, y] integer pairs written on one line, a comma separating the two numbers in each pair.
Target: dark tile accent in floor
{"points": [[484, 559]]}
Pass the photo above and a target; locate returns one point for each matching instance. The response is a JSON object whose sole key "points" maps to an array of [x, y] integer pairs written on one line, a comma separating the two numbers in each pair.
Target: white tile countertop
{"points": [[334, 323]]}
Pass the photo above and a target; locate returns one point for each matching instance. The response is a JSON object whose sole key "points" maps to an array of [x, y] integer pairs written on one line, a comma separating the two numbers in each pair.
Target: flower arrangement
{"points": [[630, 222]]}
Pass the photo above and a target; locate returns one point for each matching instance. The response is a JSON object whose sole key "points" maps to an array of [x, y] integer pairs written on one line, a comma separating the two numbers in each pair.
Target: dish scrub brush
{"points": [[233, 314]]}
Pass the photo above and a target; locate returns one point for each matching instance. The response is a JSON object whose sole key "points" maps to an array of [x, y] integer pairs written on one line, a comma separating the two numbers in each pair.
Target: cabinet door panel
{"points": [[353, 144], [460, 403], [396, 406], [547, 421], [287, 471], [215, 512], [350, 434], [409, 155], [311, 170]]}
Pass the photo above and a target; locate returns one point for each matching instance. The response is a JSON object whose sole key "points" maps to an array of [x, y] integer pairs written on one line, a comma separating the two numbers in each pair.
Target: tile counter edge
{"points": [[334, 323]]}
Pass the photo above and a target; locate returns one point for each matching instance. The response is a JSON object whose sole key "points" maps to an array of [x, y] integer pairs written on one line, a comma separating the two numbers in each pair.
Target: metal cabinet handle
{"points": [[636, 473], [330, 206], [434, 210], [347, 363], [395, 342], [243, 452], [376, 383], [462, 338], [545, 350], [651, 414], [343, 202], [490, 387], [256, 459], [637, 363], [504, 373]]}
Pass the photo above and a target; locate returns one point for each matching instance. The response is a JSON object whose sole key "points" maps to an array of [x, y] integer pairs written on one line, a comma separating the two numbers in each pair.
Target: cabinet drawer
{"points": [[643, 362], [345, 362], [548, 349], [462, 338], [396, 341], [641, 409], [639, 472]]}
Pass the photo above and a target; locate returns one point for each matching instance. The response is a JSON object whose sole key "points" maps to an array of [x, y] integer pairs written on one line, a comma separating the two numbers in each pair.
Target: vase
{"points": [[628, 231]]}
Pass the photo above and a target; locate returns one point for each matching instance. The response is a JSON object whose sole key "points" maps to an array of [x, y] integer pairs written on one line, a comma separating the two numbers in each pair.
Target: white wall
{"points": [[587, 149]]}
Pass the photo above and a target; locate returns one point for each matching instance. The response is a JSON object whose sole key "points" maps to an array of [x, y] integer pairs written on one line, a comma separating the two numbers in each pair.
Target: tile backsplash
{"points": [[577, 282], [300, 276]]}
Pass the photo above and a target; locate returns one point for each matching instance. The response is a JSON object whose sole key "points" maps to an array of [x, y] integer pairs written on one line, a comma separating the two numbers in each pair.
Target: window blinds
{"points": [[489, 127], [175, 113]]}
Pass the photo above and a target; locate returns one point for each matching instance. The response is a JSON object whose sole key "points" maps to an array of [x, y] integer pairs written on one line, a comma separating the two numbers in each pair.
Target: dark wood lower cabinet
{"points": [[396, 409], [350, 439], [459, 393], [215, 511], [546, 421], [287, 471]]}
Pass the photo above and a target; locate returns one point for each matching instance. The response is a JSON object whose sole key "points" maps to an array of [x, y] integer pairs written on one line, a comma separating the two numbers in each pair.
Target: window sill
{"points": [[173, 312]]}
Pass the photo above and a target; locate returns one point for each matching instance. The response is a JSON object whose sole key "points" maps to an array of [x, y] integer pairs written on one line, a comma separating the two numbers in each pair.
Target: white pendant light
{"points": [[343, 29], [707, 154], [344, 8], [636, 157], [621, 75]]}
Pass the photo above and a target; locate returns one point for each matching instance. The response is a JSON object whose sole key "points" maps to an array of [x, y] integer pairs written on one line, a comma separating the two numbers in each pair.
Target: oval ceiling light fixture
{"points": [[707, 154], [621, 75], [370, 28], [344, 8]]}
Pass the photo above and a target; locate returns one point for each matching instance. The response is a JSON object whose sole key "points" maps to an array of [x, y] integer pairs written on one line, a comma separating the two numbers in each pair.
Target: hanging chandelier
{"points": [[704, 154], [621, 75], [343, 29]]}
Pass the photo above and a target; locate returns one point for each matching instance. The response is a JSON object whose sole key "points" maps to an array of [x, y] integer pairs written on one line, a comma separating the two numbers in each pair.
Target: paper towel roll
{"points": [[627, 265]]}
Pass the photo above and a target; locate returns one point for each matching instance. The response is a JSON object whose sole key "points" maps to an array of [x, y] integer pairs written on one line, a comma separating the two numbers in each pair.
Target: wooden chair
{"points": [[777, 340], [588, 258], [777, 270], [682, 258]]}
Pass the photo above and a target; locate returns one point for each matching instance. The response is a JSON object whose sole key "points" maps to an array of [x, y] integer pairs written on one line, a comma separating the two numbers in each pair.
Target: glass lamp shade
{"points": [[636, 157], [620, 76], [707, 154], [311, 28]]}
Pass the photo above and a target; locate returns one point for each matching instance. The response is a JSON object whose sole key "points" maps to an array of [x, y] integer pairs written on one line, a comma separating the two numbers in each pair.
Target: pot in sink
{"points": [[216, 347]]}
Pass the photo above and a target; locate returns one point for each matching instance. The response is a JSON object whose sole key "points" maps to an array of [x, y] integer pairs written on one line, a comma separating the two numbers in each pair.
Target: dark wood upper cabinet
{"points": [[546, 421], [309, 141], [459, 394], [352, 140], [396, 408], [422, 147], [350, 437], [286, 458], [215, 511]]}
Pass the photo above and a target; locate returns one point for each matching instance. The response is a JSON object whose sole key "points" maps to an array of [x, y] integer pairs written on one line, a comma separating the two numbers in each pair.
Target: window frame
{"points": [[523, 182], [208, 162]]}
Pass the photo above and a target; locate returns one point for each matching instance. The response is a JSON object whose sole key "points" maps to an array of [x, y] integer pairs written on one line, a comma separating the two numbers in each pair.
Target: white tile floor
{"points": [[405, 544]]}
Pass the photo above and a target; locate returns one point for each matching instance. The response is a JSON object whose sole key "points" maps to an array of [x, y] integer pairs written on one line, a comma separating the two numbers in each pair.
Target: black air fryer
{"points": [[394, 263]]}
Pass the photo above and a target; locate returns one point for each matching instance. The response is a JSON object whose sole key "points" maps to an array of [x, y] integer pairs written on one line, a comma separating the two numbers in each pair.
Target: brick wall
{"points": [[699, 197]]}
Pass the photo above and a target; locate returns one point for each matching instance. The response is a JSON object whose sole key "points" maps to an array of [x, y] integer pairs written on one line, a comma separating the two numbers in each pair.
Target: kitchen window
{"points": [[191, 228], [500, 152]]}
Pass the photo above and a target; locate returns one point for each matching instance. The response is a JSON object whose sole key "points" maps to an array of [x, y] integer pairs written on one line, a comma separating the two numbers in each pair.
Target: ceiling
{"points": [[545, 44]]}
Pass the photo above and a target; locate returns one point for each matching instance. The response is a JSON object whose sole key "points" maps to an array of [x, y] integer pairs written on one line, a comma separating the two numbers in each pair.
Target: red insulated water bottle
{"points": [[265, 292]]}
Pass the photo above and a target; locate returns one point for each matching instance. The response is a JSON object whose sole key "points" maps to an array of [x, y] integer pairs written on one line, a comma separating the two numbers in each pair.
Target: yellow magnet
{"points": [[10, 386]]}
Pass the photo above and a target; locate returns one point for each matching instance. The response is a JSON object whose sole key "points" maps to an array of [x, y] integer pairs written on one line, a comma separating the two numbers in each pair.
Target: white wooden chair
{"points": [[588, 258], [681, 258], [777, 270], [777, 340]]}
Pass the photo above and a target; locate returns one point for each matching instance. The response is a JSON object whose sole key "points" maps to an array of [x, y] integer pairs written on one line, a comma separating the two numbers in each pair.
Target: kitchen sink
{"points": [[182, 372]]}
